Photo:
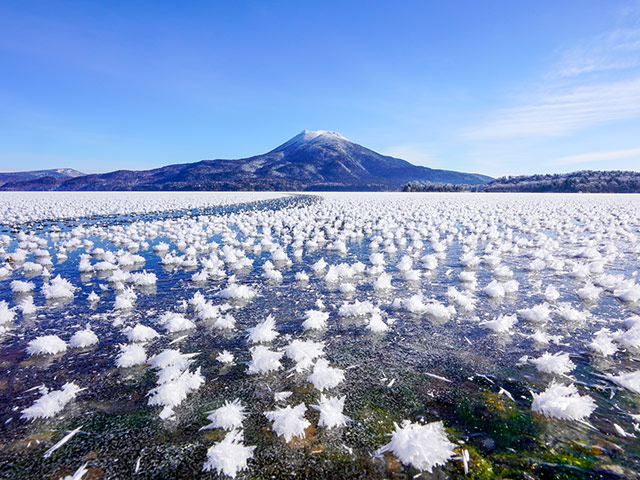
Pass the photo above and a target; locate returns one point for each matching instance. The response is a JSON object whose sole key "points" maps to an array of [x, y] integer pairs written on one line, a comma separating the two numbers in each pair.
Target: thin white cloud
{"points": [[598, 157], [615, 50], [594, 83], [415, 153], [595, 65], [563, 111]]}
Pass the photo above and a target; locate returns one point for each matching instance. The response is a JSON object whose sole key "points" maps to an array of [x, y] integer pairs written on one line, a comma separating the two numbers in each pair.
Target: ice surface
{"points": [[419, 307]]}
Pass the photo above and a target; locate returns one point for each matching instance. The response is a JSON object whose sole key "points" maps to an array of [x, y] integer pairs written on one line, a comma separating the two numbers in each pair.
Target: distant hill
{"points": [[58, 173], [584, 181], [312, 160]]}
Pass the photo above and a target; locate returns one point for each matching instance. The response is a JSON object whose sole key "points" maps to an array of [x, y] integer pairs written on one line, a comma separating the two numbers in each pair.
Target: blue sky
{"points": [[496, 87]]}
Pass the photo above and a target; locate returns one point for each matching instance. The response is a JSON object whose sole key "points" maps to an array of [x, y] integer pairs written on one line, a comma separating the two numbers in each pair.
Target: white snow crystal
{"points": [[130, 355], [225, 357], [630, 380], [301, 277], [330, 409], [46, 345], [280, 396], [551, 294], [273, 275], [58, 288], [589, 293], [502, 324], [315, 320], [411, 276], [170, 358], [51, 403], [224, 322], [413, 304], [264, 360], [78, 474], [495, 289], [356, 309], [229, 417], [569, 314], [237, 292], [289, 422], [468, 277], [537, 314], [171, 393], [563, 402], [558, 363], [304, 353], [347, 288], [429, 262], [141, 333], [175, 322], [83, 338], [383, 282], [324, 376], [263, 332], [125, 299], [437, 310], [31, 267], [26, 306], [376, 323], [503, 272], [6, 314], [630, 294], [228, 456], [18, 286], [629, 338], [143, 279], [319, 266], [602, 343], [510, 286], [422, 446]]}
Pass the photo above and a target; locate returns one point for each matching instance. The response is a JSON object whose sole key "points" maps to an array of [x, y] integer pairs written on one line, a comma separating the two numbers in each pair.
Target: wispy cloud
{"points": [[598, 157], [591, 84], [615, 50], [565, 110], [415, 153]]}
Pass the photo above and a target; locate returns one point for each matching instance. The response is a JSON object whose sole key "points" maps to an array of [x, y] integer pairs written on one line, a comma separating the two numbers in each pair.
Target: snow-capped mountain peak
{"points": [[326, 134], [316, 137]]}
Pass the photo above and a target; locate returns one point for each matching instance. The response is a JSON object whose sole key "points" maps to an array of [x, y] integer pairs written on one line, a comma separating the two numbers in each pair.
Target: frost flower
{"points": [[228, 456], [422, 446], [51, 403], [563, 402], [289, 422]]}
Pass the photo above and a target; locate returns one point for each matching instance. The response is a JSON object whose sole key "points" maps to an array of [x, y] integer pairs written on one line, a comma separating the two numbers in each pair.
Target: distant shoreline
{"points": [[585, 181]]}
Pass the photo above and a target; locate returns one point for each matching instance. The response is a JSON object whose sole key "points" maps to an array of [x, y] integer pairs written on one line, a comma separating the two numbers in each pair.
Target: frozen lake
{"points": [[360, 335]]}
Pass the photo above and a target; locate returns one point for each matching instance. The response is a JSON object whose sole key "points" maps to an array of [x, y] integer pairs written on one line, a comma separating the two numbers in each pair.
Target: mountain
{"points": [[312, 160], [58, 173]]}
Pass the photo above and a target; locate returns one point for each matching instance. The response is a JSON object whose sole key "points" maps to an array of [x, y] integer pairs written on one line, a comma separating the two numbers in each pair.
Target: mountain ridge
{"points": [[311, 160], [21, 176], [580, 181]]}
